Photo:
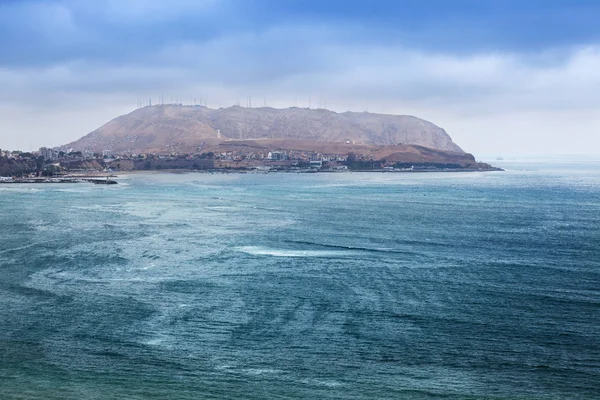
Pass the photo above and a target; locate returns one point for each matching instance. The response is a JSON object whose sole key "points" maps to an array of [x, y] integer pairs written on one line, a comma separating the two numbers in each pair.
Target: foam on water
{"points": [[322, 382], [264, 251], [19, 189]]}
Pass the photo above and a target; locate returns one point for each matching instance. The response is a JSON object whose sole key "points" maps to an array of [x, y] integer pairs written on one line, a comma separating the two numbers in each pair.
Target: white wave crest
{"points": [[264, 251]]}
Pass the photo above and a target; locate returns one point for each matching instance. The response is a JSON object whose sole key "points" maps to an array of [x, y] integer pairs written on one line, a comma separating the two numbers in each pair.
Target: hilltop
{"points": [[177, 128]]}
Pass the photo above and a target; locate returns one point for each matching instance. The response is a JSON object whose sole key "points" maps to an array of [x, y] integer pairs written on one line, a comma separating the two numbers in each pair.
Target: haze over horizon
{"points": [[505, 77]]}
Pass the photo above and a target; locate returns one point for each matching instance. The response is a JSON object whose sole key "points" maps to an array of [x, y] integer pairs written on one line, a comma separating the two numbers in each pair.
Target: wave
{"points": [[264, 251], [27, 246], [352, 248], [261, 371], [19, 190], [328, 383]]}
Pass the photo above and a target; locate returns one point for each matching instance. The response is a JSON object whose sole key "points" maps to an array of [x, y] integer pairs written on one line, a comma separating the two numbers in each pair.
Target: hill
{"points": [[177, 128]]}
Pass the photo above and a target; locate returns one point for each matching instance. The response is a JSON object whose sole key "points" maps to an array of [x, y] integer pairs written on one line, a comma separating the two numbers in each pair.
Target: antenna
{"points": [[309, 102]]}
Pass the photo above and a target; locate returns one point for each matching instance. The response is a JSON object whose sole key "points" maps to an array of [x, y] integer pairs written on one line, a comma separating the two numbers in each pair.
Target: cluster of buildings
{"points": [[16, 154], [49, 154], [68, 160], [52, 154], [46, 153], [284, 155]]}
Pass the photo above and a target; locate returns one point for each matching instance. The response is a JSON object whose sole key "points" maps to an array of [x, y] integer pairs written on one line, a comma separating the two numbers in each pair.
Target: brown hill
{"points": [[168, 128]]}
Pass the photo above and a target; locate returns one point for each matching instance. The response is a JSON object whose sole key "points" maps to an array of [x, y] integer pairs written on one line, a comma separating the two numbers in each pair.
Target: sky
{"points": [[500, 76]]}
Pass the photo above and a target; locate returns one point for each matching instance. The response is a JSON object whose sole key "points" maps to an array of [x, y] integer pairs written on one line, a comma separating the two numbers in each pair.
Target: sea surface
{"points": [[315, 286]]}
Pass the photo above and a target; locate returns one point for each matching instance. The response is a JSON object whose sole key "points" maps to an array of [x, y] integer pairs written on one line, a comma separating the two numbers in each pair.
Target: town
{"points": [[52, 165]]}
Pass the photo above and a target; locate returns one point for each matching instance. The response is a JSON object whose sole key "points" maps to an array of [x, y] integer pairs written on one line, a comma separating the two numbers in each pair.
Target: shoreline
{"points": [[115, 174], [235, 171]]}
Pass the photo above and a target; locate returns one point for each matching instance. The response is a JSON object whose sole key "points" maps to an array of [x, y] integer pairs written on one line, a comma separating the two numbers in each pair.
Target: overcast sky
{"points": [[501, 76]]}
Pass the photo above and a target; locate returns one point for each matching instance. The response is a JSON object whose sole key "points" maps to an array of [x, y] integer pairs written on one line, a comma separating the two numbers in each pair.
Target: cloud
{"points": [[98, 59], [294, 61]]}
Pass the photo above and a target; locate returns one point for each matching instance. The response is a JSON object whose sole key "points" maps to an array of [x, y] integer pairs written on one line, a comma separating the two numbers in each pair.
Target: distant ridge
{"points": [[168, 128]]}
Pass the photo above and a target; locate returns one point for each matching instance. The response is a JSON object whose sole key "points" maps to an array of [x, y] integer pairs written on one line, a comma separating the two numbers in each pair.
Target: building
{"points": [[47, 153], [278, 155]]}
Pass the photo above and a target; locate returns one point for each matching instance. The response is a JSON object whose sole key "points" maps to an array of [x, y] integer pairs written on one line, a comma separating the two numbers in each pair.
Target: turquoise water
{"points": [[319, 286]]}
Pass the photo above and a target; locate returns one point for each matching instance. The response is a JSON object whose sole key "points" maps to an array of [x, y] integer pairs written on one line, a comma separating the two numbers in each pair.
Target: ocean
{"points": [[315, 286]]}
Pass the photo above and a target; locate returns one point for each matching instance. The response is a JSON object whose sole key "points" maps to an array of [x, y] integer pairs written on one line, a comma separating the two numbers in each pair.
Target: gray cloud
{"points": [[64, 97]]}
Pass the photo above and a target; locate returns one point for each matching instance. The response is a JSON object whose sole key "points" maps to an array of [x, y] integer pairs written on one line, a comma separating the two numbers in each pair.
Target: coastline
{"points": [[115, 174], [228, 171], [105, 178]]}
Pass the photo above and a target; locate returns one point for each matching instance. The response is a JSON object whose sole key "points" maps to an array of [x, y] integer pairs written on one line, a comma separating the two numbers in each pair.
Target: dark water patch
{"points": [[342, 247], [36, 293], [189, 286], [19, 351]]}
